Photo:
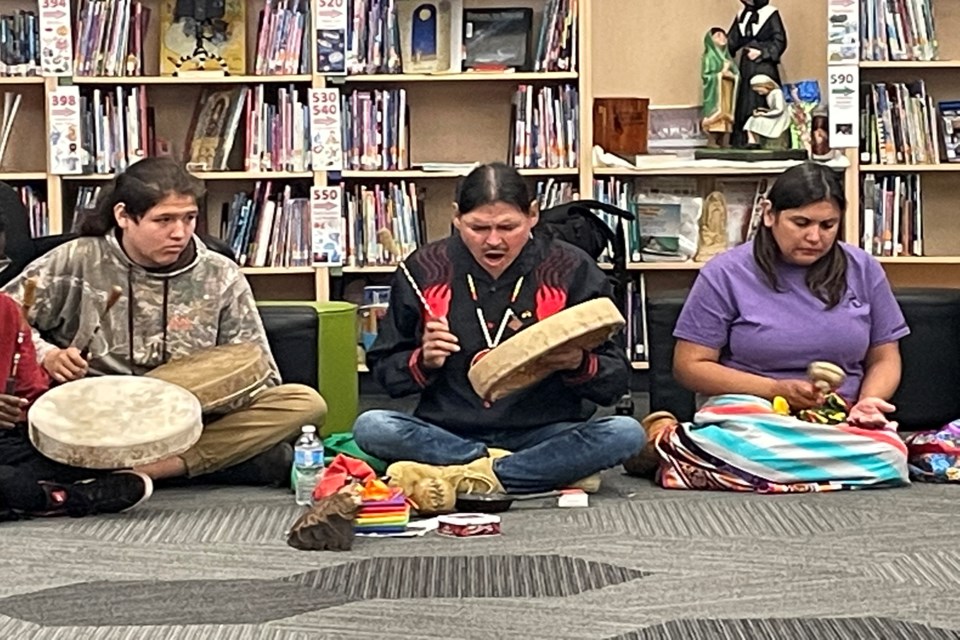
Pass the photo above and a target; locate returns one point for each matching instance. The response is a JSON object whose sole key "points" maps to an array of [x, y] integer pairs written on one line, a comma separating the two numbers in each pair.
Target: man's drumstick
{"points": [[115, 293], [29, 298]]}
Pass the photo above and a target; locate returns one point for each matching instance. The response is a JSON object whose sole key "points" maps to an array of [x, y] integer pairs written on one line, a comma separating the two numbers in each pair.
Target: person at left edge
{"points": [[179, 297]]}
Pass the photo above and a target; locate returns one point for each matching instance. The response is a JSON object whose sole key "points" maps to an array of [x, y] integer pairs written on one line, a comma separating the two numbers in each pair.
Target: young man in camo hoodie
{"points": [[178, 297]]}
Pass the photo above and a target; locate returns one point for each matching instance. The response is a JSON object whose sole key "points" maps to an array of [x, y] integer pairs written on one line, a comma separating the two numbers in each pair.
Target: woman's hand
{"points": [[799, 394], [10, 409], [753, 54], [869, 413], [438, 343]]}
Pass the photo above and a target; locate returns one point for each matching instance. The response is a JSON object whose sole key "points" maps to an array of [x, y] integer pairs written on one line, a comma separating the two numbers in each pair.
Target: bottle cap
{"points": [[308, 428]]}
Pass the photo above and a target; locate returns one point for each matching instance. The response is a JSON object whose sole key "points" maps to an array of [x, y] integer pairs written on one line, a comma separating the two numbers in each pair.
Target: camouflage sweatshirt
{"points": [[159, 317]]}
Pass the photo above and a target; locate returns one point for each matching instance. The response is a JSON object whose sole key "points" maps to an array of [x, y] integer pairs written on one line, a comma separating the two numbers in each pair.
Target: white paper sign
{"points": [[56, 48], [325, 122], [63, 114], [330, 27], [843, 86], [843, 32], [326, 223]]}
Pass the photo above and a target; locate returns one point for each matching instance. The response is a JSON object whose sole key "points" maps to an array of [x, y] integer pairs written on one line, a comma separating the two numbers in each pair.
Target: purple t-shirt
{"points": [[776, 334]]}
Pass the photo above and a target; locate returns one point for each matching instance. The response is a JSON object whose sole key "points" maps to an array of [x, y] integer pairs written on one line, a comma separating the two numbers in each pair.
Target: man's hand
{"points": [[799, 394], [753, 54], [869, 413], [438, 343], [65, 365], [10, 409], [563, 359]]}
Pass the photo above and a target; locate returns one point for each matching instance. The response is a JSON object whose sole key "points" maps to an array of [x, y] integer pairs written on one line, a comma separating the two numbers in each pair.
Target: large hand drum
{"points": [[114, 422], [219, 376], [516, 363]]}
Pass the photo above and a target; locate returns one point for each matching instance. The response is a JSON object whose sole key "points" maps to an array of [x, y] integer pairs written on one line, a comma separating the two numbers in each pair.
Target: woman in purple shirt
{"points": [[760, 313]]}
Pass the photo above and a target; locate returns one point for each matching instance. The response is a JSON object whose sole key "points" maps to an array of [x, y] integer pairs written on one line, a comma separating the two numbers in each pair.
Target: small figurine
{"points": [[721, 78], [758, 31], [713, 227], [767, 125]]}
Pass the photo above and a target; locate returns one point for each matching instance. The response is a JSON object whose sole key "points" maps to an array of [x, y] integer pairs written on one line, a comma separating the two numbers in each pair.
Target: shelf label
{"points": [[63, 114], [56, 49], [843, 32], [844, 102], [330, 27], [326, 224], [325, 133]]}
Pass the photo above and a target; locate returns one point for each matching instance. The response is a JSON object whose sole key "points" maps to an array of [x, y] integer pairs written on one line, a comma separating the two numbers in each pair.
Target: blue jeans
{"points": [[543, 459]]}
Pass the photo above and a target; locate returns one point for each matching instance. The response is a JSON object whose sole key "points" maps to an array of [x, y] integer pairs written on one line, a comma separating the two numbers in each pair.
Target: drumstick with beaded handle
{"points": [[385, 236], [115, 293], [29, 297]]}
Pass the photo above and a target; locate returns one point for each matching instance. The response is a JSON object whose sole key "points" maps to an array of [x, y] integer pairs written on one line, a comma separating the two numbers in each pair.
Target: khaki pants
{"points": [[275, 415]]}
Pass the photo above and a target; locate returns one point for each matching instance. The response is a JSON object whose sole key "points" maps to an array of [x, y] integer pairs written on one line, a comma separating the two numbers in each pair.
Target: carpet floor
{"points": [[640, 563]]}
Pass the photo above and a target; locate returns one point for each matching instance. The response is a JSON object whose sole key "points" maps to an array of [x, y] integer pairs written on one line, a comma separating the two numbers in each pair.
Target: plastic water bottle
{"points": [[307, 464]]}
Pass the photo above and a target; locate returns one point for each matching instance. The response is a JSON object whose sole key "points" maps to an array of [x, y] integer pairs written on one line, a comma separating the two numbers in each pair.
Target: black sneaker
{"points": [[114, 493], [270, 468]]}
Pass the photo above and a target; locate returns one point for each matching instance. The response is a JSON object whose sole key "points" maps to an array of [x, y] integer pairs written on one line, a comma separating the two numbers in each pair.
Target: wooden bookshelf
{"points": [[940, 264], [476, 76]]}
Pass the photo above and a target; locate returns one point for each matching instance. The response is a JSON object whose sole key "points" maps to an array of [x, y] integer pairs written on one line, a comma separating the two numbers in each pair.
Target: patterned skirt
{"points": [[738, 443]]}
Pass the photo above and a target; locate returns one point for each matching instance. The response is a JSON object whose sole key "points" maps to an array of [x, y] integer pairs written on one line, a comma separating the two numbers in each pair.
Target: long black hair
{"points": [[494, 182], [140, 188], [799, 186]]}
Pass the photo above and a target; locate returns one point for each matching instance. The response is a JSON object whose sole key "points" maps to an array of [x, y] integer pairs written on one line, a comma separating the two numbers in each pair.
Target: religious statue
{"points": [[758, 33], [720, 77], [768, 125], [713, 227]]}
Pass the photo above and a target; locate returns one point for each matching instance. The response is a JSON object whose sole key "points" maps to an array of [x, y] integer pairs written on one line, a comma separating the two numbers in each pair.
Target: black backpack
{"points": [[577, 223]]}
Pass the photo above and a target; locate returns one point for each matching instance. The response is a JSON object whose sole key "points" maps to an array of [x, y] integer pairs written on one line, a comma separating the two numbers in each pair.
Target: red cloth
{"points": [[32, 380], [341, 472]]}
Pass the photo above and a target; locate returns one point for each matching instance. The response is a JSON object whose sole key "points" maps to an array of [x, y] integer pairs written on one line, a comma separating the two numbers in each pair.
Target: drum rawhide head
{"points": [[114, 422], [219, 376], [515, 363]]}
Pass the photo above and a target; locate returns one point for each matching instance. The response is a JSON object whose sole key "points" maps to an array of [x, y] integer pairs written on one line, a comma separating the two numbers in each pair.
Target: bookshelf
{"points": [[939, 264]]}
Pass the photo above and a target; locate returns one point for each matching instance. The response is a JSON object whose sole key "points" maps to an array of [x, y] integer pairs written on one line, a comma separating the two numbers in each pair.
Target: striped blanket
{"points": [[738, 443]]}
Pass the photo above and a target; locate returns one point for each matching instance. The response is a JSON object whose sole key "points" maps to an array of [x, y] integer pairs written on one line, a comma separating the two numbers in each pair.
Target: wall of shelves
{"points": [[466, 117]]}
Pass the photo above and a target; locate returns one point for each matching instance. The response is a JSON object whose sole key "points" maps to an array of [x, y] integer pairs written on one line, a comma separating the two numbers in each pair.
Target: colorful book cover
{"points": [[217, 42]]}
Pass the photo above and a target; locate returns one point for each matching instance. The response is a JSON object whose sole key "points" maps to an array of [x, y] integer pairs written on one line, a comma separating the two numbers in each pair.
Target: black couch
{"points": [[929, 392], [288, 328]]}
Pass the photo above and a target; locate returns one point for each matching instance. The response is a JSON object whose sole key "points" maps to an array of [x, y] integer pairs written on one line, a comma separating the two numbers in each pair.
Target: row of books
{"points": [[376, 130], [383, 224], [557, 44], [892, 215], [901, 125], [283, 38], [19, 44], [896, 30], [373, 38], [116, 128], [544, 127], [270, 226], [109, 38], [38, 212], [552, 192]]}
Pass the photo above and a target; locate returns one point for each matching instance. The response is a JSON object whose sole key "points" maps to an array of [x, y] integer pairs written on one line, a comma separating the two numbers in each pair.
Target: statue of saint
{"points": [[758, 33], [768, 124], [720, 77], [713, 227]]}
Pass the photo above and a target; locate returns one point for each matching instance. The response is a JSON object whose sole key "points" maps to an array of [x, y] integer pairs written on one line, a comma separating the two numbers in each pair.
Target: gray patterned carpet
{"points": [[640, 564]]}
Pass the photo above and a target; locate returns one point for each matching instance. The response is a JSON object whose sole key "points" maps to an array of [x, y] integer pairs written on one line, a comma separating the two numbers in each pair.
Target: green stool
{"points": [[336, 361]]}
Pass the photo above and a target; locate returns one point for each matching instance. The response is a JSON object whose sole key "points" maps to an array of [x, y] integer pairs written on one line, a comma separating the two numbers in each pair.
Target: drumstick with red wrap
{"points": [[29, 297], [115, 293]]}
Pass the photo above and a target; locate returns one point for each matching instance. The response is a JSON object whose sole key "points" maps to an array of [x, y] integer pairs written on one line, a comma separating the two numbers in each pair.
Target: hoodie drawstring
{"points": [[164, 315]]}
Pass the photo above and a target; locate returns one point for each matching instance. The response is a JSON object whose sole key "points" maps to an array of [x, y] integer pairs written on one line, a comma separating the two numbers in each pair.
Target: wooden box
{"points": [[620, 125]]}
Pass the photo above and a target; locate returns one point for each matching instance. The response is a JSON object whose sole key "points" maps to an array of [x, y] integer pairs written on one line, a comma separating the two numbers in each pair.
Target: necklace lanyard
{"points": [[491, 343]]}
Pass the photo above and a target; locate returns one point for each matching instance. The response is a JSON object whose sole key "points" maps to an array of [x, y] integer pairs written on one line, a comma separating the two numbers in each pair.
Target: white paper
{"points": [[843, 32], [63, 114], [56, 41], [843, 87], [326, 224], [325, 134], [330, 29]]}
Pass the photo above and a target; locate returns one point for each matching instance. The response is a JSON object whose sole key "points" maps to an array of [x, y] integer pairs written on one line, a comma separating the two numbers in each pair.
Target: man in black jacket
{"points": [[482, 285]]}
